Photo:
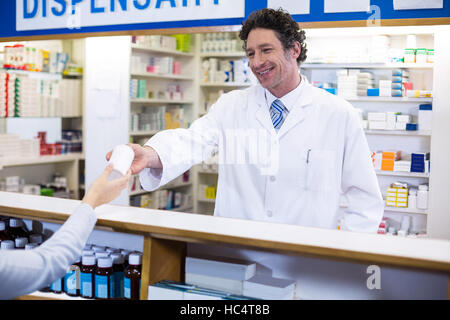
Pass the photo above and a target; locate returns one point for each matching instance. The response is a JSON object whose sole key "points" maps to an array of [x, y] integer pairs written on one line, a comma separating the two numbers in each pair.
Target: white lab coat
{"points": [[295, 176]]}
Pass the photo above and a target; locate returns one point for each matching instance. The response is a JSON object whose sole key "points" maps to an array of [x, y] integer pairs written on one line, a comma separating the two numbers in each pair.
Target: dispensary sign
{"points": [[57, 14]]}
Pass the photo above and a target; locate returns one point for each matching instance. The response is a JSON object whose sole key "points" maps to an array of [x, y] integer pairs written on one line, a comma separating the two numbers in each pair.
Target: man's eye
{"points": [[266, 50], [250, 54]]}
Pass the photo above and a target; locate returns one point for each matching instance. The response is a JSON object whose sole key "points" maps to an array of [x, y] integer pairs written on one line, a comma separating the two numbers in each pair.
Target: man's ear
{"points": [[296, 50]]}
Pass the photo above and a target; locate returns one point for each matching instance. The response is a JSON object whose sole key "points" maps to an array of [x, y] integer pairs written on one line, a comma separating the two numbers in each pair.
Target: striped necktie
{"points": [[276, 113]]}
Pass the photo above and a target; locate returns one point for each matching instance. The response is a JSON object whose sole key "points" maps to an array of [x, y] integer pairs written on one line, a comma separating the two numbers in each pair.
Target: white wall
{"points": [[106, 85], [439, 218]]}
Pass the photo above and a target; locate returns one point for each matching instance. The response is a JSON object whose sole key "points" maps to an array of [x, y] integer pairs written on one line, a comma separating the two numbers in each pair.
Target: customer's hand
{"points": [[144, 157], [103, 191]]}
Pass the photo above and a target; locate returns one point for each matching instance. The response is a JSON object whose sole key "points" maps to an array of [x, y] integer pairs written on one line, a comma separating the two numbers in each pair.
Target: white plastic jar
{"points": [[422, 197]]}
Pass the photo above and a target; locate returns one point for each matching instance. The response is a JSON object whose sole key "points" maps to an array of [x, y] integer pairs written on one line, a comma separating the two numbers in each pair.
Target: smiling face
{"points": [[275, 67]]}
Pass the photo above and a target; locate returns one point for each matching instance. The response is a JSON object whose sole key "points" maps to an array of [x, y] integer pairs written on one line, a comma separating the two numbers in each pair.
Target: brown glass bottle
{"points": [[70, 279], [4, 235], [132, 281], [87, 270], [104, 280], [17, 229], [119, 269]]}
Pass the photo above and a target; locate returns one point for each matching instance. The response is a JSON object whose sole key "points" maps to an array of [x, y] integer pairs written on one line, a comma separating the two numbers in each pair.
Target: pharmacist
{"points": [[287, 151], [23, 272]]}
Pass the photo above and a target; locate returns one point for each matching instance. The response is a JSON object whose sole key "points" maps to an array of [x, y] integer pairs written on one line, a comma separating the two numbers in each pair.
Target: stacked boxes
{"points": [[138, 89], [388, 159], [385, 88], [397, 196], [352, 83], [420, 162], [224, 71], [425, 116]]}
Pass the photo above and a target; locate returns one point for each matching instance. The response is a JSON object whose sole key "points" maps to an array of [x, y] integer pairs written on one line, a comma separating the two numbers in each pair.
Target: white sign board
{"points": [[333, 6], [293, 7], [54, 14]]}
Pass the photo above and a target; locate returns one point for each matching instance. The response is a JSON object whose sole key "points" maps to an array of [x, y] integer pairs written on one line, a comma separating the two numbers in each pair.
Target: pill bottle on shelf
{"points": [[87, 270], [104, 284], [422, 197], [132, 281]]}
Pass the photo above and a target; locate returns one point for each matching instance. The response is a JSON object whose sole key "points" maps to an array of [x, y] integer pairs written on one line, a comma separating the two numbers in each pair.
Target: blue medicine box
{"points": [[426, 107], [373, 92], [411, 126], [330, 90]]}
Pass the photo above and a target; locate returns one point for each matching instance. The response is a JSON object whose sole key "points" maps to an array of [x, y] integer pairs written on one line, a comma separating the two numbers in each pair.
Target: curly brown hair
{"points": [[280, 21]]}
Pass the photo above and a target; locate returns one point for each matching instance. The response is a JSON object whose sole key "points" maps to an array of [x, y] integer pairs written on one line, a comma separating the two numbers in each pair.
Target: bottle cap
{"points": [[2, 225], [98, 248], [7, 245], [101, 254], [30, 246], [117, 258], [125, 253], [36, 238], [111, 250], [88, 253], [423, 187], [21, 242], [88, 260], [104, 262], [135, 259], [15, 222]]}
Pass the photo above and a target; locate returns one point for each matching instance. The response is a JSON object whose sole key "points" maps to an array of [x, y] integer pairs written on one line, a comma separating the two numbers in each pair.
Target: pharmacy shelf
{"points": [[207, 172], [159, 101], [161, 76], [34, 75], [183, 208], [162, 50], [366, 66], [143, 133], [405, 210], [37, 295], [388, 99], [402, 174], [223, 55], [206, 200], [226, 84], [165, 187], [15, 162], [399, 132]]}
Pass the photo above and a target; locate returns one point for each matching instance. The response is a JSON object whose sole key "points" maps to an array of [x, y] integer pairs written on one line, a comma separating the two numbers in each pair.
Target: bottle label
{"points": [[56, 285], [70, 282], [118, 284], [127, 288], [101, 286], [86, 284]]}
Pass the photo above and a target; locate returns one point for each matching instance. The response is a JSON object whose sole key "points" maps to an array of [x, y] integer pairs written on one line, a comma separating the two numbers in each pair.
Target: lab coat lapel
{"points": [[262, 113], [297, 112]]}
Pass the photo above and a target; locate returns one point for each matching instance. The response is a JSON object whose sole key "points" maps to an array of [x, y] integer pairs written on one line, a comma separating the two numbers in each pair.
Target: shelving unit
{"points": [[157, 81], [40, 169], [406, 141]]}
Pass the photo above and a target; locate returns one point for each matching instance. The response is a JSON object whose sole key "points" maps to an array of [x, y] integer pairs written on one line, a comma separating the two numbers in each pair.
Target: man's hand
{"points": [[144, 157], [103, 191]]}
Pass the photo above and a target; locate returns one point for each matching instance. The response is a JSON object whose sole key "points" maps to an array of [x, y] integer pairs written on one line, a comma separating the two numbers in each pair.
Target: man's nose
{"points": [[258, 60]]}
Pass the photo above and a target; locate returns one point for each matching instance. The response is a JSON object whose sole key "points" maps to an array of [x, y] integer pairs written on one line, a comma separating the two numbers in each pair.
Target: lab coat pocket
{"points": [[321, 170]]}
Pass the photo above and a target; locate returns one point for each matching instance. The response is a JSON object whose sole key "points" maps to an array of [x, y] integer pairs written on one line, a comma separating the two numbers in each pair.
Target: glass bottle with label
{"points": [[4, 235], [17, 228], [132, 281], [104, 284], [118, 268], [72, 279], [87, 276]]}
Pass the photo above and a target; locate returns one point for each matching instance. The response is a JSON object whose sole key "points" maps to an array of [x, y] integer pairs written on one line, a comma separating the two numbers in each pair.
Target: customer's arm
{"points": [[23, 272]]}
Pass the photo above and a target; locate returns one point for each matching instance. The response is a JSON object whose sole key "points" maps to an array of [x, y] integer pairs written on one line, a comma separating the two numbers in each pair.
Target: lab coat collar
{"points": [[301, 97]]}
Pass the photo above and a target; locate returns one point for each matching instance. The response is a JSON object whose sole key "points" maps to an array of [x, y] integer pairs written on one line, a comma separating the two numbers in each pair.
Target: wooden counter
{"points": [[166, 234]]}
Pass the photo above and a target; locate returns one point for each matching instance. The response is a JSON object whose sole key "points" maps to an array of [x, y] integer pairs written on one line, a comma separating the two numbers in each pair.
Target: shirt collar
{"points": [[290, 98]]}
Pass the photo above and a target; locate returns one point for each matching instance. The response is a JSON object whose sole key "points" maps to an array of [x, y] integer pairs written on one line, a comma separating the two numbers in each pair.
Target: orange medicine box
{"points": [[388, 158]]}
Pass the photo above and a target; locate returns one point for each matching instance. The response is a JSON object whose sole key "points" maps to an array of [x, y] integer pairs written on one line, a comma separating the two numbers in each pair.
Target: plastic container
{"points": [[20, 242], [412, 199], [422, 197], [121, 158], [132, 281], [36, 238]]}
